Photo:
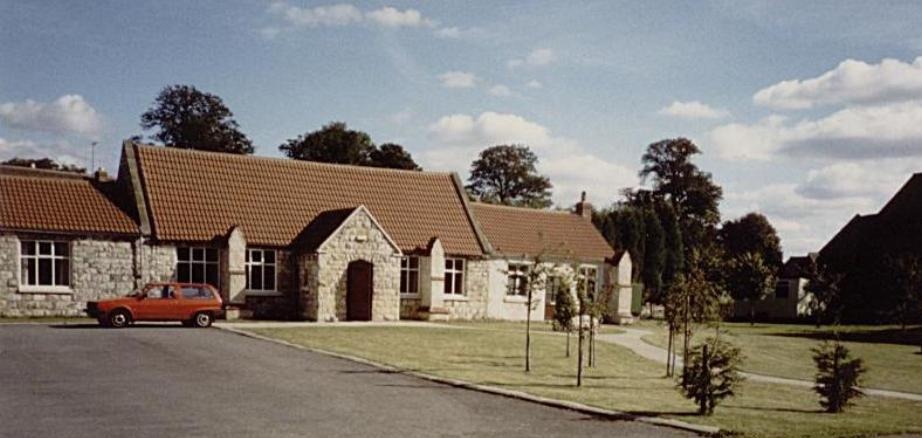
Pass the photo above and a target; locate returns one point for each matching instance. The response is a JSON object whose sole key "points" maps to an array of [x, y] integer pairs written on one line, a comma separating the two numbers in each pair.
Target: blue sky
{"points": [[809, 112]]}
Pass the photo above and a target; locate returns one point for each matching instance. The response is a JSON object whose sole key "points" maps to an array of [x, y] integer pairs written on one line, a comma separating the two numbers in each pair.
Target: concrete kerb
{"points": [[573, 406]]}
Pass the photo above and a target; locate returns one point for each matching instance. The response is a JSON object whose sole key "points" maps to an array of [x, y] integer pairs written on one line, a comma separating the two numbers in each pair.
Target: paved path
{"points": [[632, 339], [162, 380]]}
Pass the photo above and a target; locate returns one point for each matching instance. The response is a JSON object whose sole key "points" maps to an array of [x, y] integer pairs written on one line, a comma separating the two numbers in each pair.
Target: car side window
{"points": [[159, 293], [195, 293]]}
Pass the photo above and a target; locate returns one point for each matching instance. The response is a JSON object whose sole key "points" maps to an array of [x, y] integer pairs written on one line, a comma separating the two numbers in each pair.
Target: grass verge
{"points": [[621, 381], [891, 354]]}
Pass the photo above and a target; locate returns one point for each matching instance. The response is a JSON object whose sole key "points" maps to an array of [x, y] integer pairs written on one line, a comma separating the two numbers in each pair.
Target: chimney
{"points": [[584, 208], [101, 175]]}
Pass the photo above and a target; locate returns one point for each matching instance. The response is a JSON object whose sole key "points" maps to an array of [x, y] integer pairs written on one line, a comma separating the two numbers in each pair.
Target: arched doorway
{"points": [[359, 287]]}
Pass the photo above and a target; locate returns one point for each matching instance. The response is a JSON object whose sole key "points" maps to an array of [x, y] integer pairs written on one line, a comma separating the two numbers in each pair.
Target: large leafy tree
{"points": [[750, 279], [43, 163], [336, 143], [691, 192], [185, 117], [506, 174], [393, 156], [752, 233], [333, 143]]}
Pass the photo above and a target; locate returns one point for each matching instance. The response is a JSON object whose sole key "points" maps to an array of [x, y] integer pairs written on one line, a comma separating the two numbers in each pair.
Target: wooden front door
{"points": [[359, 287]]}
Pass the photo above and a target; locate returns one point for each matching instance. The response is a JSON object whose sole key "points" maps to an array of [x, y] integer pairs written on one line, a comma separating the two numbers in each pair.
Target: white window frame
{"points": [[516, 275], [409, 271], [249, 264], [204, 262], [451, 273], [31, 285]]}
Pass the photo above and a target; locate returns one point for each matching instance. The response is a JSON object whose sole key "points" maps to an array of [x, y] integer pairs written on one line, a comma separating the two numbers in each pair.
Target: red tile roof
{"points": [[197, 196], [50, 201], [515, 231]]}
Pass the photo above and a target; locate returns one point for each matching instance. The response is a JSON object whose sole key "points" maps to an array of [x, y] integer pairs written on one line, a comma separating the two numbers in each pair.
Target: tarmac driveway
{"points": [[171, 381]]}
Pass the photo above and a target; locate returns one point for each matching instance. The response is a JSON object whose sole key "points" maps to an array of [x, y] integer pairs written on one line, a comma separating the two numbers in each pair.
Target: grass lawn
{"points": [[622, 380], [515, 326], [892, 356]]}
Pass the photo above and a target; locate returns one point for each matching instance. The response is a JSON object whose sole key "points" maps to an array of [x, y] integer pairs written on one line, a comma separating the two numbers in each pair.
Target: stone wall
{"points": [[409, 308], [99, 269], [359, 238], [473, 304], [284, 305], [156, 263]]}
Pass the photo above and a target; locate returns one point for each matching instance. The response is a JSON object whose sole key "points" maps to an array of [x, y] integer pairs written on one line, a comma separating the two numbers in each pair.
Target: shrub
{"points": [[711, 374], [837, 376]]}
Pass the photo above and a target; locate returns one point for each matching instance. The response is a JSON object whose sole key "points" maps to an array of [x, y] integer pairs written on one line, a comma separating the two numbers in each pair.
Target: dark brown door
{"points": [[359, 286]]}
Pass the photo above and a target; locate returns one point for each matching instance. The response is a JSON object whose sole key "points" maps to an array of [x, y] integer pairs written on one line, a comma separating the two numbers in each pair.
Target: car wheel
{"points": [[202, 320], [119, 318]]}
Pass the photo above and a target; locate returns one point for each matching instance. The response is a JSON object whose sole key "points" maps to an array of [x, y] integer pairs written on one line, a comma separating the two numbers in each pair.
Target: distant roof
{"points": [[798, 266], [54, 201], [197, 196], [515, 231]]}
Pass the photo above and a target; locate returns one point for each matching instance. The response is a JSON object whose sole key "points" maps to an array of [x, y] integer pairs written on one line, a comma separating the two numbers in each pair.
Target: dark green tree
{"points": [[564, 308], [43, 163], [654, 256], [752, 233], [333, 143], [837, 376], [692, 193], [187, 118], [506, 174], [749, 280], [902, 282], [711, 374], [825, 293], [392, 156]]}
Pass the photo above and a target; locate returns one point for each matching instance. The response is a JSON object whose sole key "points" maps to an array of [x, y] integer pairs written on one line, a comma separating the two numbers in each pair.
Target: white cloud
{"points": [[392, 17], [402, 117], [500, 91], [536, 58], [454, 32], [341, 14], [693, 110], [458, 79], [534, 84], [893, 130], [849, 179], [851, 82], [61, 151], [69, 114], [570, 167]]}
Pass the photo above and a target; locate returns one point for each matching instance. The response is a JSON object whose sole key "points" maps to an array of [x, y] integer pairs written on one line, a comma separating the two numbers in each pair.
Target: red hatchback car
{"points": [[195, 304]]}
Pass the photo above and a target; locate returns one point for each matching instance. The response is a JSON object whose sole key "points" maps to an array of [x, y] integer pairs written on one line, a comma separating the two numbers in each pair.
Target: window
{"points": [[454, 276], [781, 290], [261, 272], [517, 280], [197, 265], [45, 263], [555, 286], [160, 292], [588, 280], [195, 293], [409, 275]]}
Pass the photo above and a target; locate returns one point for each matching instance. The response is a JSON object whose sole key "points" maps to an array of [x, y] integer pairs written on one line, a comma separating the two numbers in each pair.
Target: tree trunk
{"points": [[579, 353], [669, 352], [705, 381], [568, 343], [591, 342], [528, 333], [685, 337], [752, 313]]}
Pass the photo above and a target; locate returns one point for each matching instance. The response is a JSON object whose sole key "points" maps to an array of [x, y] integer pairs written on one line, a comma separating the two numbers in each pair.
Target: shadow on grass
{"points": [[895, 336], [787, 410]]}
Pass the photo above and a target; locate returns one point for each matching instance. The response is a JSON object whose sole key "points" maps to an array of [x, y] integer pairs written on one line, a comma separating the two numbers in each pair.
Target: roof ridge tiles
{"points": [[321, 164]]}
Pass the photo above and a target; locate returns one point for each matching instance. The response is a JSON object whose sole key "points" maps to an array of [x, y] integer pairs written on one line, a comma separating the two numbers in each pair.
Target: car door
{"points": [[192, 297], [157, 303]]}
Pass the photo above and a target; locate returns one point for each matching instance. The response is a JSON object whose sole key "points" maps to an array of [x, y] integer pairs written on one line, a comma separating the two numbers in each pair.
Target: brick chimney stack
{"points": [[584, 208]]}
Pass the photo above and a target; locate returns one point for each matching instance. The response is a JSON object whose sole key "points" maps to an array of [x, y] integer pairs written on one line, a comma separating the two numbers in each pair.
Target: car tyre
{"points": [[202, 320], [119, 318]]}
